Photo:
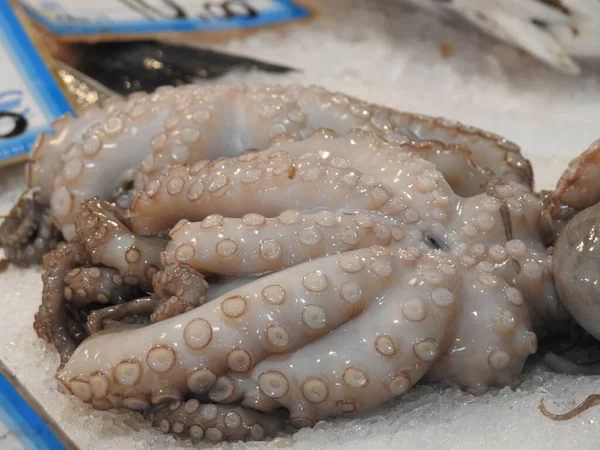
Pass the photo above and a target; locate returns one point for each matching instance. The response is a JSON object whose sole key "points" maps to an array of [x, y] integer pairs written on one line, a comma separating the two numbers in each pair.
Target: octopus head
{"points": [[576, 262]]}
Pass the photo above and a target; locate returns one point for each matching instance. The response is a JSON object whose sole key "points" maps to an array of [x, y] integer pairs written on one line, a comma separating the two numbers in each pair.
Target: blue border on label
{"points": [[284, 11], [23, 422], [38, 80]]}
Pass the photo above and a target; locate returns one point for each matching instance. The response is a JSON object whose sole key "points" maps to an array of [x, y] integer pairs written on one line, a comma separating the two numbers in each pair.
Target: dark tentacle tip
{"points": [[591, 400]]}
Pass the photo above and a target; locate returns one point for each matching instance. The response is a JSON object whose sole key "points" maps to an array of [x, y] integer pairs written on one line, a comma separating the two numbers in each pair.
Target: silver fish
{"points": [[556, 32]]}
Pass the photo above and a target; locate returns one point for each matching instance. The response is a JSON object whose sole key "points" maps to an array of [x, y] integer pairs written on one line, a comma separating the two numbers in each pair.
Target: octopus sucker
{"points": [[276, 243], [215, 422], [100, 226], [230, 248]]}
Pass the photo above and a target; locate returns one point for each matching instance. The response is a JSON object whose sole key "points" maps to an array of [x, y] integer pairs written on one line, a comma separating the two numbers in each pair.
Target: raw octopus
{"points": [[242, 257]]}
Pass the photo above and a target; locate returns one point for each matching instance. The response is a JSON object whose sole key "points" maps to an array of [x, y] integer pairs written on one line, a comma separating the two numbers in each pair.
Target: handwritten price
{"points": [[13, 118], [153, 10]]}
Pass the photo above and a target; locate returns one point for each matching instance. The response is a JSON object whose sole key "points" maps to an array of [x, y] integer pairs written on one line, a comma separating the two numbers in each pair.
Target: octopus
{"points": [[237, 259]]}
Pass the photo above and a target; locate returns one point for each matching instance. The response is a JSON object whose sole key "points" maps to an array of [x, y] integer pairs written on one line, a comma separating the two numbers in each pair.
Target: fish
{"points": [[144, 65], [559, 33]]}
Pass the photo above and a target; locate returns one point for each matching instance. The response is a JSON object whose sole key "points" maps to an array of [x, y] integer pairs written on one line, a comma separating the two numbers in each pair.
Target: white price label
{"points": [[30, 99], [77, 17]]}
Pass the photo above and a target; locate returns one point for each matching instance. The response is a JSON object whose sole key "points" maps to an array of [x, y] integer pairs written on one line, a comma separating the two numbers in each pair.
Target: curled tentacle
{"points": [[590, 401], [69, 163], [27, 232], [298, 111], [367, 368], [487, 150], [20, 224], [214, 422], [182, 289], [104, 285], [100, 226], [118, 314], [51, 320]]}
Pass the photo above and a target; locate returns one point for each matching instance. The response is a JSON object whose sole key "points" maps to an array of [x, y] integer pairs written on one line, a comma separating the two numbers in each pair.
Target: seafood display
{"points": [[557, 32], [239, 258]]}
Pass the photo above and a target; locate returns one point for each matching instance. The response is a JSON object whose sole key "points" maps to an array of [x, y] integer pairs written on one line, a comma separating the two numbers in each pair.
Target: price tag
{"points": [[77, 17], [30, 98]]}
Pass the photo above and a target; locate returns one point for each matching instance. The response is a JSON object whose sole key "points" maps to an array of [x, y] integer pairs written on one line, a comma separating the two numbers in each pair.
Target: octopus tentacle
{"points": [[51, 319], [234, 187], [494, 354], [115, 314], [487, 149], [269, 111], [465, 176], [590, 401], [20, 224], [324, 171], [108, 240], [224, 246], [214, 422], [85, 285], [578, 188], [371, 367], [305, 302], [47, 152], [182, 289], [96, 141], [27, 233]]}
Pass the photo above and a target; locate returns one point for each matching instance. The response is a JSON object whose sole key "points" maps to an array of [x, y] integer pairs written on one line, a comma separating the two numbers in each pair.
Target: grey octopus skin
{"points": [[389, 243]]}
